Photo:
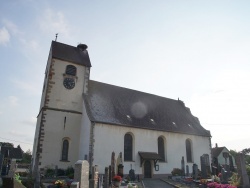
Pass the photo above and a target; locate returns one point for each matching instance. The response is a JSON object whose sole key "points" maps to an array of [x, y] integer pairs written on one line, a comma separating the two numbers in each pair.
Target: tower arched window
{"points": [[189, 151], [128, 147], [70, 70], [65, 150], [161, 148]]}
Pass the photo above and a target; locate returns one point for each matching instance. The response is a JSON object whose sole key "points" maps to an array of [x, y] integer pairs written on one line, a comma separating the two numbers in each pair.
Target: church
{"points": [[83, 119]]}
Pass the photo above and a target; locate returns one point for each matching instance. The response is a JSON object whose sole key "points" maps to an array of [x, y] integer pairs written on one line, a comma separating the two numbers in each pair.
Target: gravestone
{"points": [[1, 163], [203, 167], [100, 181], [56, 170], [195, 171], [119, 165], [94, 181], [187, 170], [12, 169], [215, 166], [224, 175], [74, 185], [113, 164], [132, 175], [106, 178], [241, 168], [231, 164], [110, 175], [183, 166], [81, 173]]}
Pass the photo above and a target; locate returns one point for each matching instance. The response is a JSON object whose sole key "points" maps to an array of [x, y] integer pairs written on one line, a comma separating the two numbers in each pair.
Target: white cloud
{"points": [[1, 112], [17, 133], [31, 88], [13, 101], [31, 45], [31, 121], [54, 22], [224, 110], [4, 36], [12, 27]]}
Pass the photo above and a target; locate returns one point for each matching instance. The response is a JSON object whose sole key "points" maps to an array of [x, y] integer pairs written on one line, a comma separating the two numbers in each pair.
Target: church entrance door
{"points": [[147, 169]]}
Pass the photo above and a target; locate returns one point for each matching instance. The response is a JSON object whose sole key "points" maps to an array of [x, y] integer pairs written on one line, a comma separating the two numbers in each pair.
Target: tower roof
{"points": [[70, 53]]}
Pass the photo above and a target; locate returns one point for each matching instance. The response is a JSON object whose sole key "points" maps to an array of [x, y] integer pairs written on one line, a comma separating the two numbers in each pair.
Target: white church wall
{"points": [[84, 135], [45, 84], [109, 138], [34, 151], [55, 132]]}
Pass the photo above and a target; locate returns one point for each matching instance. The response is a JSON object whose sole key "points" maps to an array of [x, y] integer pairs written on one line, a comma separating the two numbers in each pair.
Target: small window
{"points": [[128, 147], [71, 70], [161, 148], [189, 151], [65, 150]]}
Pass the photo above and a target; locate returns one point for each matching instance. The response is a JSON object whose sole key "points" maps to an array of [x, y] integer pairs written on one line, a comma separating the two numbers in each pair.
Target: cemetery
{"points": [[214, 176], [82, 175]]}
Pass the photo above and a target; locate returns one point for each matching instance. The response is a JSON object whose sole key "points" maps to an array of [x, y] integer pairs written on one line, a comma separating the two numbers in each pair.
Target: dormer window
{"points": [[70, 70]]}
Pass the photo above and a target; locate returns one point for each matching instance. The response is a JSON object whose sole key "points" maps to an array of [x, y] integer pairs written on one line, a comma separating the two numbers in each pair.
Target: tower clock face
{"points": [[69, 83]]}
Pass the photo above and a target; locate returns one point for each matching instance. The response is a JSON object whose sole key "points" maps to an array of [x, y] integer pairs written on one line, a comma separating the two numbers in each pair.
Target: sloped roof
{"points": [[149, 155], [216, 151], [121, 106], [13, 153], [70, 53]]}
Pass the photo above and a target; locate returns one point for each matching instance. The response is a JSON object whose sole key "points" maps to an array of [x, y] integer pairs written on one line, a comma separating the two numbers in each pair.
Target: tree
{"points": [[27, 157], [245, 151], [247, 157], [233, 153]]}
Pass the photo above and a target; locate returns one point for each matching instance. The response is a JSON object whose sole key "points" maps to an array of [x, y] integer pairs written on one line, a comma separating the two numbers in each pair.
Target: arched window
{"points": [[189, 151], [71, 70], [128, 147], [65, 150], [161, 150]]}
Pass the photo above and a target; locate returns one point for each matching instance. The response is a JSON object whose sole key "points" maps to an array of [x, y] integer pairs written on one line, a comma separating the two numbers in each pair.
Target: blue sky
{"points": [[194, 50]]}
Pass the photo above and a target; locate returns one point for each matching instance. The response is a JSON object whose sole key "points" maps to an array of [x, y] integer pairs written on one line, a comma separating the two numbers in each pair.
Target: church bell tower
{"points": [[56, 141]]}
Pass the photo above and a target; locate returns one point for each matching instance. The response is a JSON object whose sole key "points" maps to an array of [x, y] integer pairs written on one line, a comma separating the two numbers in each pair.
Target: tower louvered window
{"points": [[71, 70]]}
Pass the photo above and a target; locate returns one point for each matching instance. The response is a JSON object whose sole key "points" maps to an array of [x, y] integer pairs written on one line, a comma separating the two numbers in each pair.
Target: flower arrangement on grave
{"points": [[203, 181], [60, 183], [218, 185], [117, 178], [234, 180]]}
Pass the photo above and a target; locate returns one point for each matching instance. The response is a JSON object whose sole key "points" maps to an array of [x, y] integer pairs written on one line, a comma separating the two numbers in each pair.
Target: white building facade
{"points": [[84, 119]]}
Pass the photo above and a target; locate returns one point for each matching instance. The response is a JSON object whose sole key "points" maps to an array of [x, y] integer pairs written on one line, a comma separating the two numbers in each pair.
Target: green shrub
{"points": [[49, 173], [176, 172]]}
